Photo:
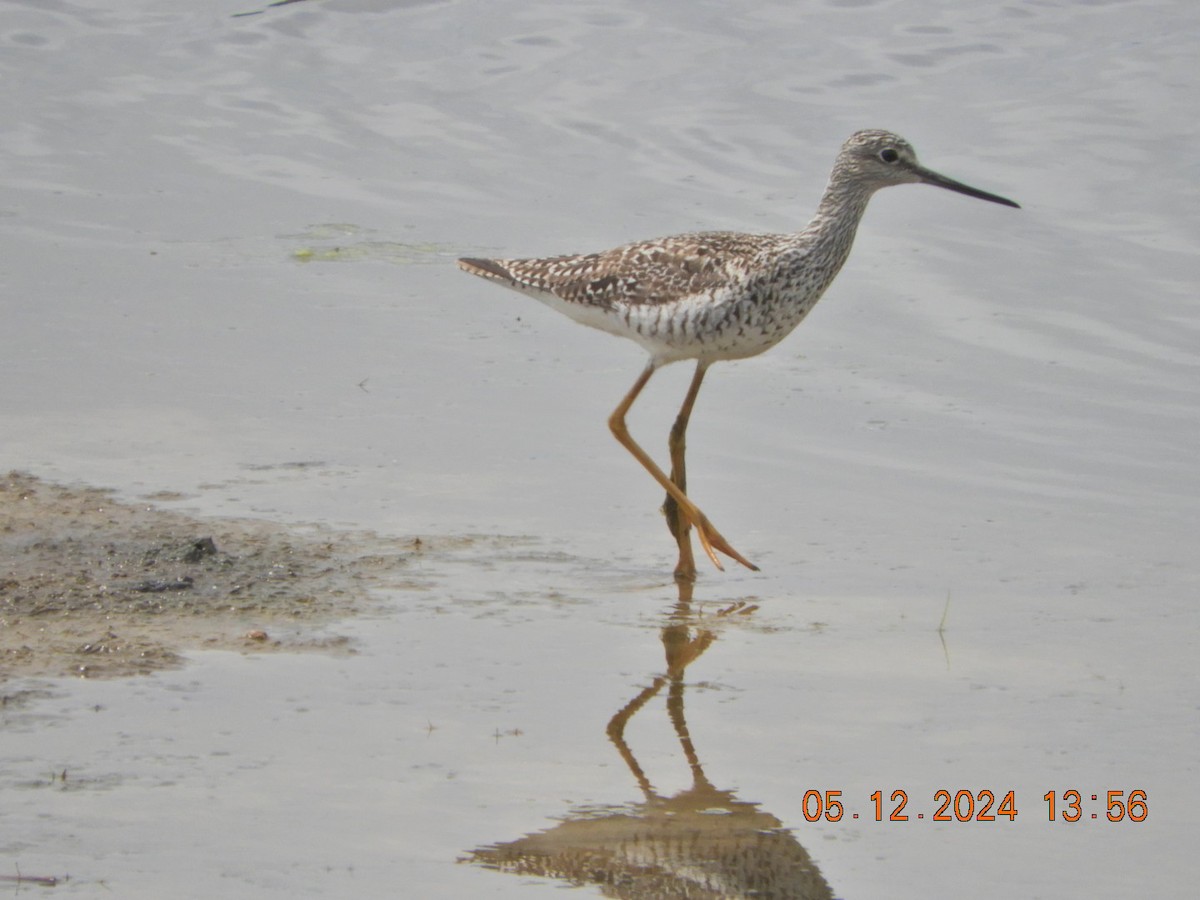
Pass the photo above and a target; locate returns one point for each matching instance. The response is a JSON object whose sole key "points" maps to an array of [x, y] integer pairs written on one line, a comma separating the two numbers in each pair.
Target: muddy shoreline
{"points": [[96, 588]]}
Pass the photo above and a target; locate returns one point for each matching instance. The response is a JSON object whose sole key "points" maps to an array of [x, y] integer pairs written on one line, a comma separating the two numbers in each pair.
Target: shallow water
{"points": [[229, 246]]}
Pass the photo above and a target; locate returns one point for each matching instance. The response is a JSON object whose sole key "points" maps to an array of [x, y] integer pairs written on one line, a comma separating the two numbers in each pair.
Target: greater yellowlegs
{"points": [[715, 295]]}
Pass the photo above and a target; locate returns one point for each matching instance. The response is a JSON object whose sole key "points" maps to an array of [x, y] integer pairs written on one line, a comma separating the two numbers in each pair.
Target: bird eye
{"points": [[888, 155]]}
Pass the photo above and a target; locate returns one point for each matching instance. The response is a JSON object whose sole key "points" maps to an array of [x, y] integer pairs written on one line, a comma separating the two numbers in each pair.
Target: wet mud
{"points": [[97, 588]]}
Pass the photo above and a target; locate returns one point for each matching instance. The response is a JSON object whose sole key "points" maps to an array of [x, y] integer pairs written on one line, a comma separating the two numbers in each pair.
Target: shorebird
{"points": [[715, 295]]}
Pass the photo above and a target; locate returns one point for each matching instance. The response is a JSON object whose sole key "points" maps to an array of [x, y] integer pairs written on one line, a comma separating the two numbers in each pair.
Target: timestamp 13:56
{"points": [[979, 806]]}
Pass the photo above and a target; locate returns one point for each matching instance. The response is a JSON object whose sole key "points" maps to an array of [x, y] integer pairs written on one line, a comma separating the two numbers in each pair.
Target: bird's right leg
{"points": [[710, 538], [680, 527]]}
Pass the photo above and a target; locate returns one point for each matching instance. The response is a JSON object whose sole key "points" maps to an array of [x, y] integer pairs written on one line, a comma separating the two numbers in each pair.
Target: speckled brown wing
{"points": [[647, 272]]}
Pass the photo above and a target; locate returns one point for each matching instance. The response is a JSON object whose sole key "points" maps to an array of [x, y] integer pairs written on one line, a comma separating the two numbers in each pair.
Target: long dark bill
{"points": [[928, 176]]}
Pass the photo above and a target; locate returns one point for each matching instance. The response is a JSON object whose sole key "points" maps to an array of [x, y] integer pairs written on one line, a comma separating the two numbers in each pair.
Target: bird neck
{"points": [[831, 231]]}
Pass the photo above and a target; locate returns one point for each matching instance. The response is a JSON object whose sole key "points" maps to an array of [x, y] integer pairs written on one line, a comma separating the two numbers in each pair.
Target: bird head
{"points": [[876, 159]]}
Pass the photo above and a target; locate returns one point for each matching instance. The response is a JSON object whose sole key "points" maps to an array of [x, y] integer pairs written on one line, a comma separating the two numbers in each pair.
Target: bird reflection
{"points": [[702, 842]]}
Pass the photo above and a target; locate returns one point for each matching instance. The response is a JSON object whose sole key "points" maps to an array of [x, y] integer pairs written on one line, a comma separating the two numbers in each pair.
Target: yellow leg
{"points": [[680, 527], [710, 539]]}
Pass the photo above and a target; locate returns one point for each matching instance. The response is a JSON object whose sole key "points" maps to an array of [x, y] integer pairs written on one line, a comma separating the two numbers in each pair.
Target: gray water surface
{"points": [[228, 249]]}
